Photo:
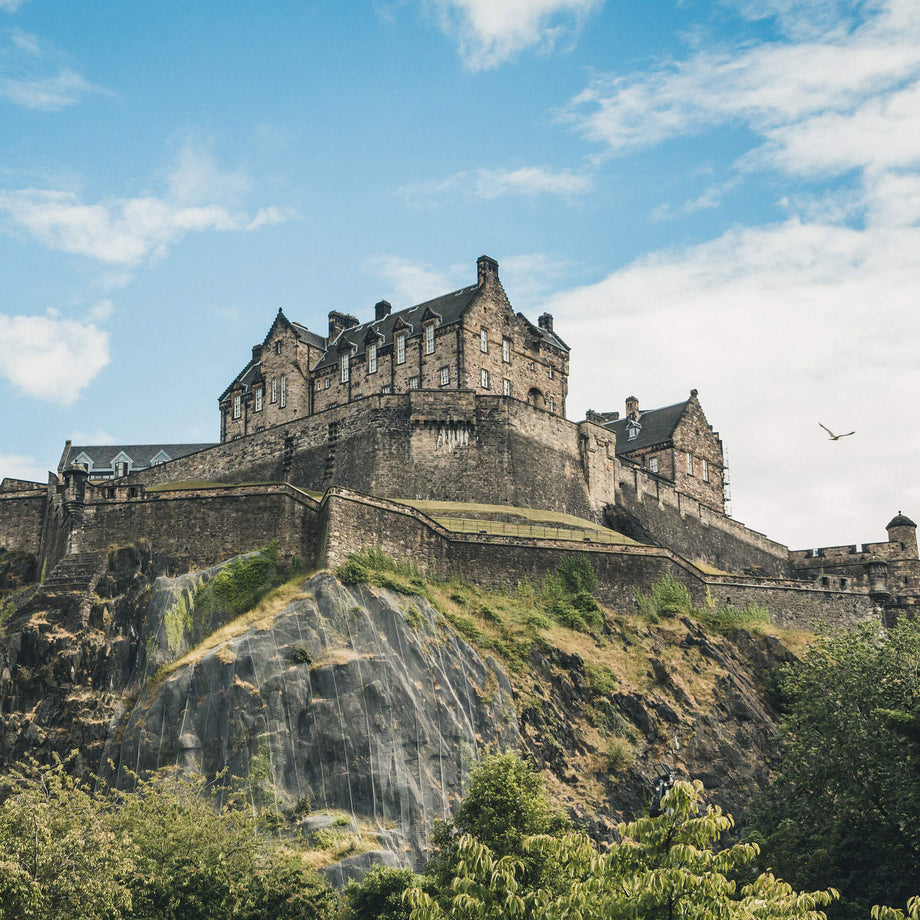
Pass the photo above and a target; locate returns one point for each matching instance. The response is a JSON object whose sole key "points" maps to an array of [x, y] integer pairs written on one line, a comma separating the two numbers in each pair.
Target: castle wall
{"points": [[352, 522], [440, 445], [201, 527], [647, 508], [21, 516]]}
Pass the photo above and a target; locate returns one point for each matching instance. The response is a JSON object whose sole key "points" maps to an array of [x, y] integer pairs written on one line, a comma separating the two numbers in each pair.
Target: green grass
{"points": [[510, 520]]}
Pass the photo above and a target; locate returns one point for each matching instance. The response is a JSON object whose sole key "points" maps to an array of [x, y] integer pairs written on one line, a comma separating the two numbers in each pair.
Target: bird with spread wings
{"points": [[836, 437]]}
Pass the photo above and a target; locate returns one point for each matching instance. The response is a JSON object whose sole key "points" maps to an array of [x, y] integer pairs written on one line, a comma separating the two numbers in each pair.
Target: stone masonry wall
{"points": [[691, 529], [21, 517], [447, 445], [352, 522], [201, 527]]}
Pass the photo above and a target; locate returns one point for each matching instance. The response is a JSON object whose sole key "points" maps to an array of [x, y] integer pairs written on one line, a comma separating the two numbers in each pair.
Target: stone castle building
{"points": [[326, 440], [470, 340]]}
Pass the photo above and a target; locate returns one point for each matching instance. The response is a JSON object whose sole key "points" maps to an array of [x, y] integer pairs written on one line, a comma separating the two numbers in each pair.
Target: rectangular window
{"points": [[372, 359], [705, 470], [689, 464], [506, 387], [387, 389], [283, 390], [484, 378], [259, 391], [413, 383], [445, 376], [346, 368], [552, 404], [429, 339], [278, 347], [121, 468], [506, 350], [400, 349], [484, 340], [552, 372], [653, 464], [237, 406], [274, 389]]}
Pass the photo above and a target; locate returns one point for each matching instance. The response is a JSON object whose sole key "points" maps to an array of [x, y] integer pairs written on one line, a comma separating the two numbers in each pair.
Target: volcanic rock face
{"points": [[346, 699]]}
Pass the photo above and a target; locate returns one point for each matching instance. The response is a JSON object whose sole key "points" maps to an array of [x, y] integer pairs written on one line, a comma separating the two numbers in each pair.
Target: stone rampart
{"points": [[648, 508], [202, 526], [352, 522], [446, 446], [22, 514]]}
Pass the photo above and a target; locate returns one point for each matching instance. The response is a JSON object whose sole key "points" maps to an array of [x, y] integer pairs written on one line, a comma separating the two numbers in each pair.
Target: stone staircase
{"points": [[69, 586]]}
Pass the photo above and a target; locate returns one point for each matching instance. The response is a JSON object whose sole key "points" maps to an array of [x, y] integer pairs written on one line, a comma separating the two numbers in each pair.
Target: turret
{"points": [[902, 532]]}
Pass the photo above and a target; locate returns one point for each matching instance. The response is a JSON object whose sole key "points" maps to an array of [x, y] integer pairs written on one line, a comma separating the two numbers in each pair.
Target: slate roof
{"points": [[657, 427], [103, 456], [448, 308]]}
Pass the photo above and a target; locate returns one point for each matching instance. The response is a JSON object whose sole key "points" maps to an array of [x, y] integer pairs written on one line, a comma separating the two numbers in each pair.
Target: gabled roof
{"points": [[102, 456], [446, 309], [657, 426]]}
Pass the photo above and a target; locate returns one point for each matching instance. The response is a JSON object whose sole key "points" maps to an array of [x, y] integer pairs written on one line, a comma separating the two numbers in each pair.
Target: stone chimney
{"points": [[339, 322], [632, 407], [381, 309], [487, 269], [546, 322]]}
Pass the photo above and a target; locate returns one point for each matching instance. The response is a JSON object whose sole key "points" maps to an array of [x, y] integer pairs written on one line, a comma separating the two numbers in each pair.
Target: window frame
{"points": [[429, 338], [444, 377], [237, 406], [506, 387], [259, 397], [283, 402], [484, 340], [345, 367], [372, 358], [401, 348], [506, 350], [484, 378]]}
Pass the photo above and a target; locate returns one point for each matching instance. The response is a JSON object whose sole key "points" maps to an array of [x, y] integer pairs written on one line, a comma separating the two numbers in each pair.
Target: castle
{"points": [[327, 440]]}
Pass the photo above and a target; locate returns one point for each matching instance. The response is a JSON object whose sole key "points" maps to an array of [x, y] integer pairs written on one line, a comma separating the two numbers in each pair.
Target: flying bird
{"points": [[836, 437]]}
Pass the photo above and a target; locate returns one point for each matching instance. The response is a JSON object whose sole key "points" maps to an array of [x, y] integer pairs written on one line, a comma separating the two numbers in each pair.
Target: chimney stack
{"points": [[339, 322], [546, 322], [632, 407], [487, 269], [381, 309]]}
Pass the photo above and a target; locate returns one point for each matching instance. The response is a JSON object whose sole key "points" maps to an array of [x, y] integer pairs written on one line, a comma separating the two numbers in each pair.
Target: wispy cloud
{"points": [[127, 231], [10, 6], [51, 358], [490, 32], [17, 466], [412, 282], [779, 327], [35, 75], [488, 184]]}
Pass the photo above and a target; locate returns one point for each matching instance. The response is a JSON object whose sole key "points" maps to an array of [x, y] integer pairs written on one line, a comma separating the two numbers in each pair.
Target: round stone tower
{"points": [[902, 532]]}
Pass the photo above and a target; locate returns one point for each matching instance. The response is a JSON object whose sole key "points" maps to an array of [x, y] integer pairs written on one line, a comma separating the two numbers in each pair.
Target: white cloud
{"points": [[127, 231], [490, 32], [17, 466], [49, 94], [10, 6], [779, 328], [494, 183], [413, 282], [35, 75], [529, 180], [51, 358]]}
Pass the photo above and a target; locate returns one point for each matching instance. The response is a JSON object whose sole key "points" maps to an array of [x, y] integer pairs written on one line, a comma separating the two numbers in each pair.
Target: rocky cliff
{"points": [[363, 708]]}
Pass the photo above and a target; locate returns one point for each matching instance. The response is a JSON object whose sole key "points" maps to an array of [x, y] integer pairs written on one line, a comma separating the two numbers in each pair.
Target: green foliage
{"points": [[577, 575], [373, 567], [567, 597], [726, 617], [844, 809], [505, 804], [379, 895], [619, 754], [174, 849], [670, 597], [661, 869]]}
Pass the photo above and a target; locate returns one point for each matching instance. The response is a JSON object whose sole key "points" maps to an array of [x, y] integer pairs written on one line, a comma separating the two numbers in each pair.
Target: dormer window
{"points": [[632, 430]]}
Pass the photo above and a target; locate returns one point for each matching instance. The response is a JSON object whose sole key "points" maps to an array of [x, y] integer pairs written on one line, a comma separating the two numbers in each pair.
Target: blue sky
{"points": [[719, 195]]}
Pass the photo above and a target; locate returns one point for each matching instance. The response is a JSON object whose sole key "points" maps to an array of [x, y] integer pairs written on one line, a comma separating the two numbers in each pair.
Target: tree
{"points": [[504, 805], [60, 857], [379, 895], [663, 868], [844, 808]]}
